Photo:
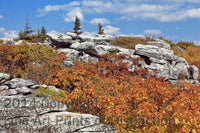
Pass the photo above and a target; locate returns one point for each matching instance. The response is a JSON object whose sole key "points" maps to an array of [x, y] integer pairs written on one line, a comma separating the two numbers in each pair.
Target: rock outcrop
{"points": [[157, 54], [22, 111]]}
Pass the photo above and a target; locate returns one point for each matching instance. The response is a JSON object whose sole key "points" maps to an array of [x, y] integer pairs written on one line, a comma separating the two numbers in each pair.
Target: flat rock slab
{"points": [[22, 114]]}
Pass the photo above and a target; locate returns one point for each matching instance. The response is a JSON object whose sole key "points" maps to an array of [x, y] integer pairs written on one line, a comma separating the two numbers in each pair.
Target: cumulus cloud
{"points": [[152, 32], [2, 29], [96, 21], [197, 42], [163, 11], [111, 30], [50, 8], [10, 33], [71, 15], [1, 17], [54, 32]]}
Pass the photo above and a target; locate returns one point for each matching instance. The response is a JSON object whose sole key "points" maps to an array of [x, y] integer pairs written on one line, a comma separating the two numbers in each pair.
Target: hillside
{"points": [[137, 84]]}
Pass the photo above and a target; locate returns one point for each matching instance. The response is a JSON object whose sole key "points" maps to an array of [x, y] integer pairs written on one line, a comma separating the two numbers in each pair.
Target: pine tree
{"points": [[38, 33], [28, 30], [77, 26], [100, 30], [21, 35], [43, 31]]}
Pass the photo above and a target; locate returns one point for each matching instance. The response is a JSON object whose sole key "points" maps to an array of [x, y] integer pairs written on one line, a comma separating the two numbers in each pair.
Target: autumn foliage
{"points": [[29, 61], [131, 101]]}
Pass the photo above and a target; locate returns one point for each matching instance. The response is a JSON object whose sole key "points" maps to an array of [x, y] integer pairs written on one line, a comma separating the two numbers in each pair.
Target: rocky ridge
{"points": [[157, 54]]}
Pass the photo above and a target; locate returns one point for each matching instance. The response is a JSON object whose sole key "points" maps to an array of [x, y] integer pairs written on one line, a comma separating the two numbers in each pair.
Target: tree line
{"points": [[40, 36]]}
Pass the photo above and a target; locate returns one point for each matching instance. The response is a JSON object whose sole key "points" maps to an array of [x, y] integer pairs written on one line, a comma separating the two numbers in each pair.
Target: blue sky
{"points": [[173, 19]]}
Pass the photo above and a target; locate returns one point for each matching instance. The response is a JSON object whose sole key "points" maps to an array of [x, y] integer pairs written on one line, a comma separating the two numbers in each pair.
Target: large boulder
{"points": [[71, 34], [155, 52], [160, 43], [4, 77], [8, 40], [86, 38], [194, 72], [60, 39], [72, 55]]}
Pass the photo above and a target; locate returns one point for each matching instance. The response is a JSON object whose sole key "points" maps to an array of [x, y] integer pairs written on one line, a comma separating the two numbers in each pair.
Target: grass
{"points": [[130, 42]]}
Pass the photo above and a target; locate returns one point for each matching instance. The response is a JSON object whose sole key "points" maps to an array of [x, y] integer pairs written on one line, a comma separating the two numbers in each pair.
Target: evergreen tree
{"points": [[77, 26], [28, 30], [43, 31], [38, 33], [21, 35], [100, 30]]}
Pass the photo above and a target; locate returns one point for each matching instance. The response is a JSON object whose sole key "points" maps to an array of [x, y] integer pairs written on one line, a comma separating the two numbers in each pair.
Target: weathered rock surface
{"points": [[8, 40], [21, 111], [59, 39], [160, 43]]}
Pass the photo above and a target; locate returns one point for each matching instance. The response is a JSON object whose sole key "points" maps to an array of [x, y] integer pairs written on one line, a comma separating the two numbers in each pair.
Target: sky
{"points": [[176, 20]]}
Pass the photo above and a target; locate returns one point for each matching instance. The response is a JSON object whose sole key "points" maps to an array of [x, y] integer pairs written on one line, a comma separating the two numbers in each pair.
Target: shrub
{"points": [[29, 61], [127, 101], [184, 45]]}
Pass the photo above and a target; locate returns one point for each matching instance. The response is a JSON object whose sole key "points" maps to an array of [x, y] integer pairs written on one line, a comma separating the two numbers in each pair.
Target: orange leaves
{"points": [[29, 61]]}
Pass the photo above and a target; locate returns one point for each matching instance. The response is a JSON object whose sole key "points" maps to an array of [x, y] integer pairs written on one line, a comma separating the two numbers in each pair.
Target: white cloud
{"points": [[50, 8], [197, 42], [1, 17], [152, 32], [53, 32], [11, 33], [112, 30], [2, 29], [89, 33], [96, 21], [163, 11], [70, 16]]}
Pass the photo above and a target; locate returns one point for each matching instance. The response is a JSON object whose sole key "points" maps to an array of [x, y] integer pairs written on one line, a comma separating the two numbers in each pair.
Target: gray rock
{"points": [[182, 70], [194, 72], [162, 69], [71, 34], [86, 38], [68, 63], [59, 39], [35, 86], [24, 90], [18, 42], [8, 92], [53, 88], [4, 87], [18, 83], [155, 52], [8, 40], [71, 54], [160, 43], [4, 77], [35, 114], [158, 61]]}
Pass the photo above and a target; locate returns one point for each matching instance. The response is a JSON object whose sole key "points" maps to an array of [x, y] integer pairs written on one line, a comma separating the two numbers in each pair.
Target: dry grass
{"points": [[130, 42]]}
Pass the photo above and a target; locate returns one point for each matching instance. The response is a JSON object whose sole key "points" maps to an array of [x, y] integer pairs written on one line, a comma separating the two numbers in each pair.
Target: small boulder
{"points": [[194, 72]]}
